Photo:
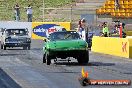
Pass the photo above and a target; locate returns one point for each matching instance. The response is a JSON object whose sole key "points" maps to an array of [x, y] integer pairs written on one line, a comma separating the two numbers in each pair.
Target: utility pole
{"points": [[43, 9], [71, 15]]}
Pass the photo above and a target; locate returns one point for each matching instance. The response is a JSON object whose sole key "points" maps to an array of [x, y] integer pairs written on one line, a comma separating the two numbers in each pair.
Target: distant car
{"points": [[15, 37], [63, 44]]}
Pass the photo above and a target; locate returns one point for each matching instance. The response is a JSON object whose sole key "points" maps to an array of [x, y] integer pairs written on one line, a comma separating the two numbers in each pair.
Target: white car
{"points": [[15, 37]]}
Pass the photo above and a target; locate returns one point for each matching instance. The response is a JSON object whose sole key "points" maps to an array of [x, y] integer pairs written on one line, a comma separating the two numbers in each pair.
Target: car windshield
{"points": [[19, 32], [64, 36]]}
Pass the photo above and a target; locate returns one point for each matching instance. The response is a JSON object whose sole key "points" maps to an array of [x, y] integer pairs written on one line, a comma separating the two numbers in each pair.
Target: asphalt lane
{"points": [[24, 69]]}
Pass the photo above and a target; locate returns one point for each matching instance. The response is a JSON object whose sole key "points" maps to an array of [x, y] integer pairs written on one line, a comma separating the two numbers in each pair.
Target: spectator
{"points": [[29, 13], [115, 29], [105, 30], [83, 29], [79, 24], [117, 5], [80, 29], [123, 25], [17, 12], [123, 30]]}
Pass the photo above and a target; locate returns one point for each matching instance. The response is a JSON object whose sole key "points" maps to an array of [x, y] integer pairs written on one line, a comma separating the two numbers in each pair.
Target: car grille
{"points": [[17, 40]]}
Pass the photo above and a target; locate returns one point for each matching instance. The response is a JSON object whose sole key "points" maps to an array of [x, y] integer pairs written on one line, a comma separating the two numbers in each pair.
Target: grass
{"points": [[8, 12]]}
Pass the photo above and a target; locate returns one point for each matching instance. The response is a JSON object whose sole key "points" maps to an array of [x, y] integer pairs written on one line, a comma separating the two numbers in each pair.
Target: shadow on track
{"points": [[11, 54], [101, 64], [89, 64], [6, 81], [36, 49], [14, 49], [128, 73], [64, 72]]}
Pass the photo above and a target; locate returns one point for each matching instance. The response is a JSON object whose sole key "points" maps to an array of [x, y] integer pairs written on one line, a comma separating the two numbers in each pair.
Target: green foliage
{"points": [[56, 3], [36, 4]]}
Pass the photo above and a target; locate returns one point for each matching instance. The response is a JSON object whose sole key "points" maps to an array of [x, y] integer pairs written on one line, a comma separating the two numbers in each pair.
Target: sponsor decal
{"points": [[124, 47], [45, 29], [85, 80]]}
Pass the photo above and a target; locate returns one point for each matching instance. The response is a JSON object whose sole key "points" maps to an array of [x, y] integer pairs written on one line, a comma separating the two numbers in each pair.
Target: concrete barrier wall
{"points": [[114, 46], [130, 47]]}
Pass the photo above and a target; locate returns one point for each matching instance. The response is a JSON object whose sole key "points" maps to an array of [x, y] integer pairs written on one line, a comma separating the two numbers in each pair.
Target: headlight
{"points": [[28, 39], [6, 40], [87, 45]]}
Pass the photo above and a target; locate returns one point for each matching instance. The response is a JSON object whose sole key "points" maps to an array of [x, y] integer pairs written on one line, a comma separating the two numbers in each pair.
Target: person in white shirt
{"points": [[29, 13]]}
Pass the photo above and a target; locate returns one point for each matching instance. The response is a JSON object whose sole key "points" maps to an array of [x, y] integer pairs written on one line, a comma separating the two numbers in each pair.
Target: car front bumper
{"points": [[16, 44]]}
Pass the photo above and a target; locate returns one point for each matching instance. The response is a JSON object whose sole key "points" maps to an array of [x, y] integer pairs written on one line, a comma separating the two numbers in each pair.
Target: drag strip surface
{"points": [[24, 69]]}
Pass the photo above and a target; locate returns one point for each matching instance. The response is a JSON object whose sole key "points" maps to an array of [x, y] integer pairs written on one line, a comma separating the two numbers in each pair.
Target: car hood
{"points": [[67, 44]]}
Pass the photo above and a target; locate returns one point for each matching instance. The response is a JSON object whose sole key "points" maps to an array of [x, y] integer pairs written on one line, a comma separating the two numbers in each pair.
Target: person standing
{"points": [[80, 28], [29, 13], [17, 12], [105, 30], [117, 5], [83, 29]]}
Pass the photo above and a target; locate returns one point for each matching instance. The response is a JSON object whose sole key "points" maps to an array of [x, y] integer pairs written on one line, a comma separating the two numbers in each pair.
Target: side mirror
{"points": [[2, 33]]}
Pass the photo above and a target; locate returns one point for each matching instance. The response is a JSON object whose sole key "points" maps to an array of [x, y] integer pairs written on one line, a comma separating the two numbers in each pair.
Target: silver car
{"points": [[15, 37]]}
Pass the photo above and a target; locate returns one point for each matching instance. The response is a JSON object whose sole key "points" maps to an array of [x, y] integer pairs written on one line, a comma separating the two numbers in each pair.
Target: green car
{"points": [[63, 44]]}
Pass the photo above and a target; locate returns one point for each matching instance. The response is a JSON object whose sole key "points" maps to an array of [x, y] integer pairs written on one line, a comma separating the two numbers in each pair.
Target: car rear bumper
{"points": [[68, 53]]}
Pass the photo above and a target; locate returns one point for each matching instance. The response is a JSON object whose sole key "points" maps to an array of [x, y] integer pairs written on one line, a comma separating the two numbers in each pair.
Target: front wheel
{"points": [[24, 48], [29, 47], [44, 59], [4, 47], [1, 46]]}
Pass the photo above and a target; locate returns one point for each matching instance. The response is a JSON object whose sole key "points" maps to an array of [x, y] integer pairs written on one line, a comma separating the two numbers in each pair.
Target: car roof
{"points": [[15, 28], [64, 31]]}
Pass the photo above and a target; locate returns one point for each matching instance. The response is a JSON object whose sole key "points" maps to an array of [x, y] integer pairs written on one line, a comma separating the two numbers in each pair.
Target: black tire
{"points": [[48, 59], [1, 46], [44, 59], [83, 58], [4, 47], [24, 48], [29, 47]]}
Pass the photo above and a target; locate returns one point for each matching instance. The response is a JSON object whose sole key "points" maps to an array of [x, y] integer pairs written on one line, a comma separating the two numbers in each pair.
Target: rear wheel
{"points": [[48, 62], [48, 58], [83, 58]]}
